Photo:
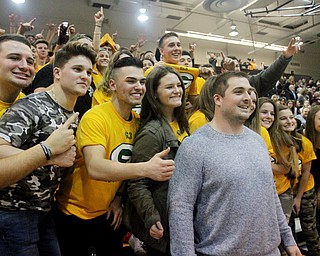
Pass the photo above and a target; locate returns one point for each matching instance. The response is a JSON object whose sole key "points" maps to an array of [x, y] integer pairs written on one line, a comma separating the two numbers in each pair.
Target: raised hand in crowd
{"points": [[291, 49], [98, 19], [39, 35], [52, 32], [72, 30], [206, 71], [25, 26], [12, 20], [192, 48], [228, 63]]}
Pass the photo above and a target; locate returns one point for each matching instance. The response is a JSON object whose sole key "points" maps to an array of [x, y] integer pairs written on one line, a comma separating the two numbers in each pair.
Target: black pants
{"points": [[88, 237]]}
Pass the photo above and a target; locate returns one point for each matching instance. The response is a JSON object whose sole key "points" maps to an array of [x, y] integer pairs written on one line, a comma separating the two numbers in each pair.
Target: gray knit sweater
{"points": [[222, 199]]}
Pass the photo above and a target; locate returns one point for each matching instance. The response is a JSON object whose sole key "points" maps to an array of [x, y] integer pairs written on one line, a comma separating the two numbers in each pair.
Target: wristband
{"points": [[99, 26], [46, 150]]}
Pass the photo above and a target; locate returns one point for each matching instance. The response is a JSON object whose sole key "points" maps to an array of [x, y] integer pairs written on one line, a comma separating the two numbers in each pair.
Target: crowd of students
{"points": [[76, 183]]}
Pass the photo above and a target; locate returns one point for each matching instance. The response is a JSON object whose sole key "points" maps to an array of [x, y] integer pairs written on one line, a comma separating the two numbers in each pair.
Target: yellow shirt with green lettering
{"points": [[102, 125], [4, 105]]}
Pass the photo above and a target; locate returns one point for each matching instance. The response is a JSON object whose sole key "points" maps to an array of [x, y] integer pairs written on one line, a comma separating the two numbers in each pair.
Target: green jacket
{"points": [[147, 199]]}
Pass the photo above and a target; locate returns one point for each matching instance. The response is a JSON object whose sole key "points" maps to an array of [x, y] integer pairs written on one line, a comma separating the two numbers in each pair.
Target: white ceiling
{"points": [[185, 15]]}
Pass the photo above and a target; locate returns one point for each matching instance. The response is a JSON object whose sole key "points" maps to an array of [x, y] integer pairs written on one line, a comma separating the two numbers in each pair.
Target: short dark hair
{"points": [[186, 53], [125, 62], [165, 36], [78, 36], [121, 53], [221, 82], [14, 37], [73, 49], [41, 41], [148, 60]]}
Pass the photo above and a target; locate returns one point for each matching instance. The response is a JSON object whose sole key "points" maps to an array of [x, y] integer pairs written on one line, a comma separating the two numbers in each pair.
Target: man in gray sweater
{"points": [[222, 199]]}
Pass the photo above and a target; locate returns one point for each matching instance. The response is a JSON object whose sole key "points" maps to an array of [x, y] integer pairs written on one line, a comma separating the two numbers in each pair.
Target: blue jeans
{"points": [[27, 233]]}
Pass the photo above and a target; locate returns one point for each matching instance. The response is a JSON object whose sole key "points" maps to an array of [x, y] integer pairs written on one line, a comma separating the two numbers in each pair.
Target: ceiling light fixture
{"points": [[222, 39], [234, 31], [143, 16], [18, 1]]}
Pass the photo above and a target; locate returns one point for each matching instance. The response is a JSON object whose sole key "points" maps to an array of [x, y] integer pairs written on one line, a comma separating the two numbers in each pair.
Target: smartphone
{"points": [[63, 34], [298, 42]]}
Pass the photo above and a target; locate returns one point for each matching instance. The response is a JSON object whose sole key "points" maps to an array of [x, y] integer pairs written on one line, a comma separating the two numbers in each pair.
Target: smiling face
{"points": [[169, 92], [75, 76], [235, 105], [286, 120], [146, 64], [128, 86], [267, 113], [185, 60], [171, 50], [102, 58], [17, 65]]}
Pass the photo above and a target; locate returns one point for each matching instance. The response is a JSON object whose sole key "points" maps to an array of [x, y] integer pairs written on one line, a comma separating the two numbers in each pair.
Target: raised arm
{"points": [[26, 26], [12, 20], [267, 79], [98, 19], [52, 32]]}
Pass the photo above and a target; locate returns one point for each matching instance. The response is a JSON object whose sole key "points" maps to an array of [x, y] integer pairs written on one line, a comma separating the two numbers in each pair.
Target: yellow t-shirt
{"points": [[78, 194], [99, 97], [281, 181], [196, 120], [38, 67], [195, 91], [266, 137], [97, 78], [4, 105], [305, 156], [187, 74], [175, 127]]}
